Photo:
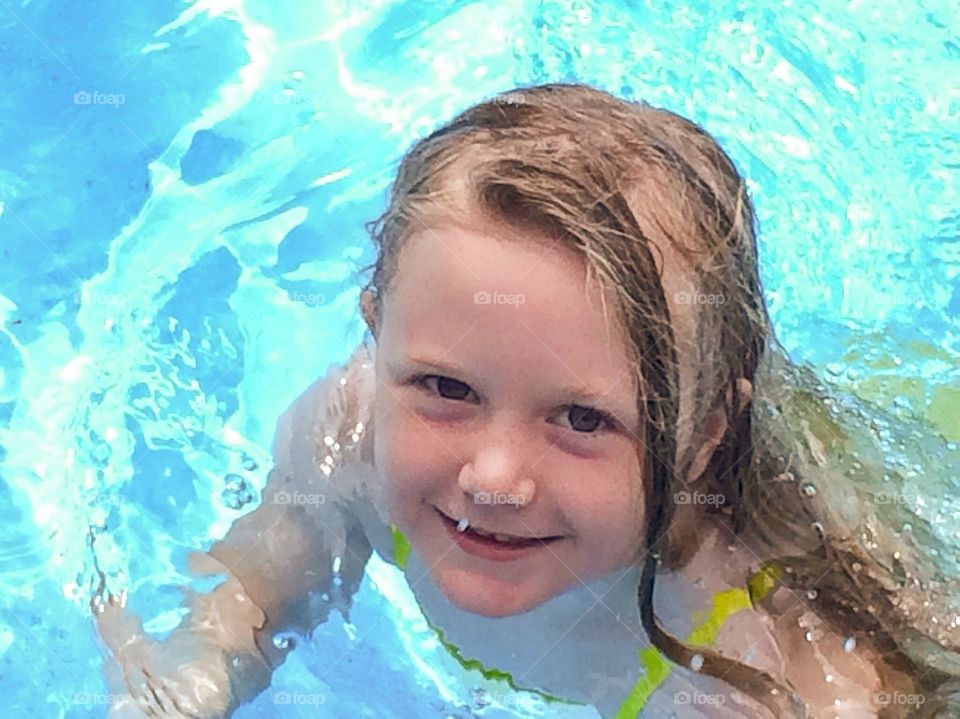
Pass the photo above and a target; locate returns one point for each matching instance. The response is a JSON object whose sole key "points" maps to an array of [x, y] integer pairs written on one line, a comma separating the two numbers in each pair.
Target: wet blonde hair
{"points": [[644, 195]]}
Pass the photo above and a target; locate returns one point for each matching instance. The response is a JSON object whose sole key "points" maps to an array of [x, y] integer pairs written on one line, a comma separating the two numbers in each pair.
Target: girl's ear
{"points": [[716, 428], [367, 307]]}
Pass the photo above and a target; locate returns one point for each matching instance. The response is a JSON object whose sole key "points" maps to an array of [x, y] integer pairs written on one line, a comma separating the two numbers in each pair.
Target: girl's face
{"points": [[504, 397]]}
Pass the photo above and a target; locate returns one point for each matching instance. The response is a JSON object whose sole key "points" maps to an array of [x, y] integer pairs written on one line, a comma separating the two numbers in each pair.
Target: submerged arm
{"points": [[278, 564]]}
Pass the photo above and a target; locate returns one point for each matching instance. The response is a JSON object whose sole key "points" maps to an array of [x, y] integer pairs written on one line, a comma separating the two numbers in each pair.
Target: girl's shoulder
{"points": [[323, 446], [834, 675], [343, 435]]}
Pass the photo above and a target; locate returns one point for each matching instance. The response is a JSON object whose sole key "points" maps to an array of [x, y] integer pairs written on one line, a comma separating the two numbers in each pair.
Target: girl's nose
{"points": [[493, 479]]}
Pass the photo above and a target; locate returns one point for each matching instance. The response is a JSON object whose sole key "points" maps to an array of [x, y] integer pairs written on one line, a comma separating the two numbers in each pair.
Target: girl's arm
{"points": [[278, 567]]}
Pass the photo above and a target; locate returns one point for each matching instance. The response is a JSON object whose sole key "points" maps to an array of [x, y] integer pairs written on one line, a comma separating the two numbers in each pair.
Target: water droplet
{"points": [[812, 594], [849, 644], [856, 566], [696, 662], [280, 641], [808, 636], [808, 489], [248, 463], [907, 527], [818, 528]]}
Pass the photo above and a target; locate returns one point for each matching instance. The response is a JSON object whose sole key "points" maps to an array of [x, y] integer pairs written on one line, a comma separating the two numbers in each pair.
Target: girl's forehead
{"points": [[464, 293]]}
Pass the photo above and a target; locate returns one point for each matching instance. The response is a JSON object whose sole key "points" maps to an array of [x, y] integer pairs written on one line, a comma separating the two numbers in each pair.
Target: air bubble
{"points": [[812, 594], [849, 644], [280, 641], [696, 662], [248, 464], [808, 489]]}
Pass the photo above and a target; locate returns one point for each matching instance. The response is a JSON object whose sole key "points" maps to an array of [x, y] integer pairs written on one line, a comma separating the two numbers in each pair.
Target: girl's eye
{"points": [[585, 420], [446, 387]]}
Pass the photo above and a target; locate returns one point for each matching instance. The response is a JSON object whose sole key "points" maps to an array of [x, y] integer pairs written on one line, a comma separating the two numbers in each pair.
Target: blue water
{"points": [[182, 192]]}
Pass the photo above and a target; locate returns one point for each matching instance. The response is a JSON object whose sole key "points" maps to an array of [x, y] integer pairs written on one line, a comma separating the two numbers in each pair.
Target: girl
{"points": [[573, 398]]}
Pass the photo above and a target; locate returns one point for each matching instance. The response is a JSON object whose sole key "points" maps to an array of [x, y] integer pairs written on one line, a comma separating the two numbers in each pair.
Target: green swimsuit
{"points": [[656, 667]]}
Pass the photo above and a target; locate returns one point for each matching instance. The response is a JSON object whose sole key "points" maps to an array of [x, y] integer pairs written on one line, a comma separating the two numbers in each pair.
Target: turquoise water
{"points": [[182, 192]]}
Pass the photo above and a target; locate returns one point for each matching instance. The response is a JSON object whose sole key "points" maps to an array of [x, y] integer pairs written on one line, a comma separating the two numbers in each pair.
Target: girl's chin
{"points": [[485, 596]]}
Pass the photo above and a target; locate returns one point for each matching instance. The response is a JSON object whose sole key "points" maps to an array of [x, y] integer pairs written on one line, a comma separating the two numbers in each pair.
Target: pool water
{"points": [[182, 193]]}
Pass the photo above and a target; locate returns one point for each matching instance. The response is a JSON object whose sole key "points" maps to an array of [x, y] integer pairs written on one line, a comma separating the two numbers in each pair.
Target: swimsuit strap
{"points": [[656, 666], [706, 628]]}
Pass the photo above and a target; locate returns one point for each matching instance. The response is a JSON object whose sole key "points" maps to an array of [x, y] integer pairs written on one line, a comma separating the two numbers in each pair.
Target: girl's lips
{"points": [[489, 548], [515, 542]]}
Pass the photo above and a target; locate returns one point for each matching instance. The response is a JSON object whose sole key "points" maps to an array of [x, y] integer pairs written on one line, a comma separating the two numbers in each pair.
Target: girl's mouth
{"points": [[494, 539]]}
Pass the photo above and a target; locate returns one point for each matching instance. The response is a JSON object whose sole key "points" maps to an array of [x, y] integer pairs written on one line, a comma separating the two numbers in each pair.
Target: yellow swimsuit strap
{"points": [[656, 667]]}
